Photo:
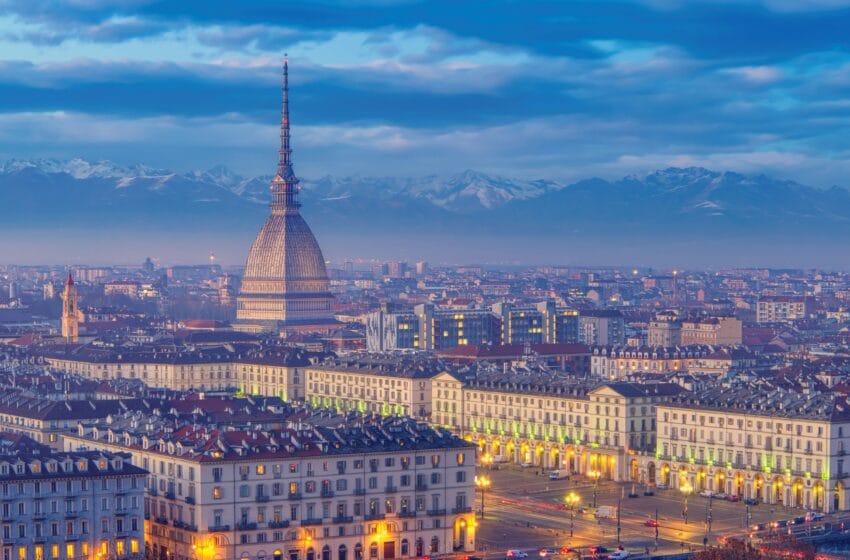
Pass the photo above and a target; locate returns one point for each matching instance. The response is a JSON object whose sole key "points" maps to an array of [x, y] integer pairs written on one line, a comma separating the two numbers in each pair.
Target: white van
{"points": [[606, 512], [558, 474]]}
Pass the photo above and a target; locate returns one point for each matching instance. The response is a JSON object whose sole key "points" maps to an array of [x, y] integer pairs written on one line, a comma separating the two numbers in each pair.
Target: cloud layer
{"points": [[554, 89]]}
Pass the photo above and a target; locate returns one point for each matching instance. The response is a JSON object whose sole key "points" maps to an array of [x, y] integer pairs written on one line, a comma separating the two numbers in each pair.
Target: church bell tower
{"points": [[70, 314]]}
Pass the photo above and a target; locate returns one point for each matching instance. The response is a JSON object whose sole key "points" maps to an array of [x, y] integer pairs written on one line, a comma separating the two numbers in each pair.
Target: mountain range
{"points": [[480, 216]]}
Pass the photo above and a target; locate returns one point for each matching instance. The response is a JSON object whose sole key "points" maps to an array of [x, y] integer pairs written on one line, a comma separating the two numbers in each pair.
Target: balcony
{"points": [[391, 489], [421, 486], [153, 491], [39, 539], [407, 514], [169, 495], [282, 524], [307, 522], [359, 491], [71, 514], [295, 495], [327, 493], [245, 526], [374, 516], [436, 512], [464, 509], [219, 528], [190, 500], [262, 498], [162, 519], [343, 519]]}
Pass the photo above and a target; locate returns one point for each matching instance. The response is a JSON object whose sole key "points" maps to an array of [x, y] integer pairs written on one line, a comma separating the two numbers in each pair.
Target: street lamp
{"points": [[595, 475], [686, 490], [483, 483], [572, 500], [486, 460]]}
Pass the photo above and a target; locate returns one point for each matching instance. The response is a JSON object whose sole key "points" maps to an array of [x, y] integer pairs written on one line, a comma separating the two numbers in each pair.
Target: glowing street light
{"points": [[595, 475], [483, 483], [486, 460], [572, 500], [686, 490]]}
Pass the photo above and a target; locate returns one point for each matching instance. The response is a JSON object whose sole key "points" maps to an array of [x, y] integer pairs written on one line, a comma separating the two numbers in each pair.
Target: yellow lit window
{"points": [[84, 549], [22, 553], [104, 548], [119, 548], [134, 546], [69, 550], [216, 492], [39, 552], [261, 469], [54, 551]]}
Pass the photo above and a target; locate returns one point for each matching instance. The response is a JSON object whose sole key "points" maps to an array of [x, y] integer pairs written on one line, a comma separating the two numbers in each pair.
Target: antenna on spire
{"points": [[285, 159]]}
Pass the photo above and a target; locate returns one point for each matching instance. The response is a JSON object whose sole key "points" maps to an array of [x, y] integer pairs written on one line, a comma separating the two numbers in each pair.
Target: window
{"points": [[216, 492], [261, 470], [217, 474]]}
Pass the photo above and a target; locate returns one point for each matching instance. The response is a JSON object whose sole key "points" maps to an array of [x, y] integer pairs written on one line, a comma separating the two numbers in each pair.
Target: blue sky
{"points": [[554, 89]]}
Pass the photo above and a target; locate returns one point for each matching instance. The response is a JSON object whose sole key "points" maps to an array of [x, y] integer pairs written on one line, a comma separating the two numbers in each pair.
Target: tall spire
{"points": [[284, 162], [285, 183]]}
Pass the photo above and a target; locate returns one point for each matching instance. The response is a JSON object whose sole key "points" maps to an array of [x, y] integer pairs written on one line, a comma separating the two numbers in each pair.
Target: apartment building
{"points": [[369, 384], [759, 441], [601, 327], [712, 331], [71, 506], [780, 309], [554, 423], [325, 487], [617, 362]]}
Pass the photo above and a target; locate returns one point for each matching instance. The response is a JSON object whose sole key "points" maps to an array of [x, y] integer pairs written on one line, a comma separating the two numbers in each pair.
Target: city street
{"points": [[524, 510]]}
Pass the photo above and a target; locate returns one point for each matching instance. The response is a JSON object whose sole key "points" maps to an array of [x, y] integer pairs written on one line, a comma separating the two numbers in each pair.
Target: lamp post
{"points": [[483, 483], [486, 460], [572, 500], [595, 475], [686, 490]]}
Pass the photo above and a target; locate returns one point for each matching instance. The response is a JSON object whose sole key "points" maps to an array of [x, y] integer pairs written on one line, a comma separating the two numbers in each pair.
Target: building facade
{"points": [[780, 309], [601, 327], [712, 331], [379, 489], [72, 506]]}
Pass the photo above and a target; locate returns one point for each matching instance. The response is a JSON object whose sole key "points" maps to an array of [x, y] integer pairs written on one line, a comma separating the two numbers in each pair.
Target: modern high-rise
{"points": [[285, 284]]}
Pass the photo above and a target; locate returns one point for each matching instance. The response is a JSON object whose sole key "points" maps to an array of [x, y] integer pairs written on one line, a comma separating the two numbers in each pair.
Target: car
{"points": [[661, 486], [597, 550], [516, 554], [799, 520], [719, 496], [760, 526], [652, 523], [814, 515], [568, 550], [526, 465], [732, 498], [547, 552], [781, 523], [648, 492], [751, 501], [619, 555], [706, 493]]}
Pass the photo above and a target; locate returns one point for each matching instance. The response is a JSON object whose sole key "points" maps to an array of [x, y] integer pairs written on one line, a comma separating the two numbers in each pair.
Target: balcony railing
{"points": [[464, 509], [262, 498], [408, 513], [245, 526], [436, 512], [190, 500], [343, 519], [391, 489], [374, 516], [169, 494], [327, 493], [219, 528], [359, 491], [306, 522], [282, 524], [421, 486], [295, 495]]}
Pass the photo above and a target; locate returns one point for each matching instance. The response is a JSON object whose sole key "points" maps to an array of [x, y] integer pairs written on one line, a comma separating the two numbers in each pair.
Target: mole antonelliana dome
{"points": [[285, 284]]}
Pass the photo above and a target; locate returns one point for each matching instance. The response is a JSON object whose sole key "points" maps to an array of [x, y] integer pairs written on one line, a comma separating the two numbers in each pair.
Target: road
{"points": [[522, 511]]}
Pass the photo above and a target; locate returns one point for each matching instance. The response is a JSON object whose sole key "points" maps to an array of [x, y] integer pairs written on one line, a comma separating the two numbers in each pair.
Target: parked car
{"points": [[619, 555], [526, 465], [760, 526], [799, 520], [706, 493], [719, 496], [648, 492], [751, 501], [547, 552], [780, 523], [516, 554], [597, 550], [652, 523], [661, 486], [814, 515], [732, 498]]}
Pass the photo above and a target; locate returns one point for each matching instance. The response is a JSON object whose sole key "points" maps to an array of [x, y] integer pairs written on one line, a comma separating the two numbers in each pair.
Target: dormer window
{"points": [[19, 469]]}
